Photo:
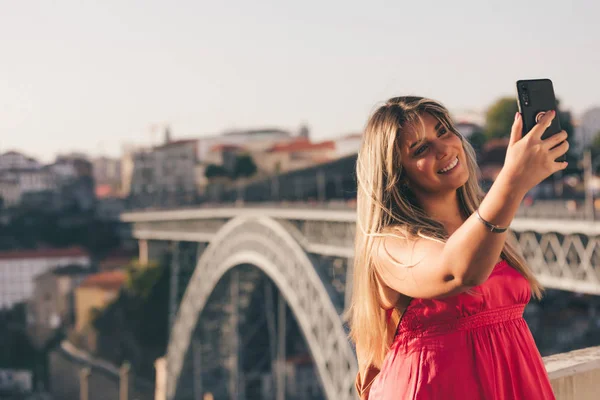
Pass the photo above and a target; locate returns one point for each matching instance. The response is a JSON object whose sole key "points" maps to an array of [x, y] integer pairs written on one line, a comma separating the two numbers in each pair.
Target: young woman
{"points": [[438, 291]]}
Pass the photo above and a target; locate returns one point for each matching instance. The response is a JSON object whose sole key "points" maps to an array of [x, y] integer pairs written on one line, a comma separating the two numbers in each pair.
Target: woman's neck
{"points": [[445, 209]]}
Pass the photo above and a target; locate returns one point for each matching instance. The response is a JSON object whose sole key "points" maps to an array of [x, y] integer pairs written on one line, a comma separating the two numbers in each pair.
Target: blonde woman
{"points": [[438, 291]]}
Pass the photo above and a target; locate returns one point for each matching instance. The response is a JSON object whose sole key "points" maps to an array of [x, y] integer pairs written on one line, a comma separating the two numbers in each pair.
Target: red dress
{"points": [[466, 347]]}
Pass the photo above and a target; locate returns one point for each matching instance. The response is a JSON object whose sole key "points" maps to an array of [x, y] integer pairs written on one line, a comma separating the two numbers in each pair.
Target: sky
{"points": [[92, 76]]}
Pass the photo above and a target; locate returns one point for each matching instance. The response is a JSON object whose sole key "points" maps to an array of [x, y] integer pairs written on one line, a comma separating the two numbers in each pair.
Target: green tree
{"points": [[134, 327], [16, 350], [499, 118], [244, 166], [477, 140], [595, 148], [595, 145], [214, 171]]}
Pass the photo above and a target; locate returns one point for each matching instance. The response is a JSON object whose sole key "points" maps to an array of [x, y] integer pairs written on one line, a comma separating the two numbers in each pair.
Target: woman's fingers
{"points": [[560, 165], [559, 150], [555, 139], [543, 124], [516, 132]]}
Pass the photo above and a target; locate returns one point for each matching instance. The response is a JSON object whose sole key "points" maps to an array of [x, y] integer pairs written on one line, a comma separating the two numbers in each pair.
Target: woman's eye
{"points": [[443, 131], [420, 150]]}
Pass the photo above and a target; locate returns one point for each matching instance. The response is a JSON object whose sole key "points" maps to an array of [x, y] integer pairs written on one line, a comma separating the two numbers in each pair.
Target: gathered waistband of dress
{"points": [[411, 326]]}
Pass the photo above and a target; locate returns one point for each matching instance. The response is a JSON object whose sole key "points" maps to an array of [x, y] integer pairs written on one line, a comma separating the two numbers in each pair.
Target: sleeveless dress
{"points": [[471, 346]]}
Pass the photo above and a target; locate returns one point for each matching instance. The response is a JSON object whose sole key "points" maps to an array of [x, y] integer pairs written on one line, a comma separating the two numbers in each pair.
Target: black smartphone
{"points": [[535, 97]]}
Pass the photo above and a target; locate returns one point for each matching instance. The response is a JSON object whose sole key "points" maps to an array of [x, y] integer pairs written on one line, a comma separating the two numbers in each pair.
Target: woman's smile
{"points": [[450, 167]]}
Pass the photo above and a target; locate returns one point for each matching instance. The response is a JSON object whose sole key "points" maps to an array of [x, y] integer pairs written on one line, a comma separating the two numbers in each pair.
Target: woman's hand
{"points": [[529, 159]]}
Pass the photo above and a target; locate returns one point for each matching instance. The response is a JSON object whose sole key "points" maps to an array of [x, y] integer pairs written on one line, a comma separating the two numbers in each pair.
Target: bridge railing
{"points": [[324, 183]]}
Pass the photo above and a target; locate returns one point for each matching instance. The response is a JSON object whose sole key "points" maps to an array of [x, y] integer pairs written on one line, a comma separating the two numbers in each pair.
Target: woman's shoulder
{"points": [[387, 297], [394, 236], [394, 245], [399, 230]]}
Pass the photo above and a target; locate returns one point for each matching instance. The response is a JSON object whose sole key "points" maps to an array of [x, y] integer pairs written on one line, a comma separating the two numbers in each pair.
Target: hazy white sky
{"points": [[89, 76]]}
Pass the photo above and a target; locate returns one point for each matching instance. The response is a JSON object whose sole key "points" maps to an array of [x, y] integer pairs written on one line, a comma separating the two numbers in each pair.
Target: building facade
{"points": [[166, 173], [252, 140], [93, 294], [20, 174], [68, 182], [348, 145], [588, 128], [16, 160], [19, 268], [301, 153], [52, 306], [107, 176]]}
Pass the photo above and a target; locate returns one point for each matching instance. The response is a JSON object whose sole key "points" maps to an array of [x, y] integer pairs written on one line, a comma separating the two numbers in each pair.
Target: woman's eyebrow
{"points": [[437, 128]]}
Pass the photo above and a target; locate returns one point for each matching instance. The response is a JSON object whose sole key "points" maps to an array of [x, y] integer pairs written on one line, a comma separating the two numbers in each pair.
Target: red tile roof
{"points": [[42, 253], [302, 145], [103, 190], [108, 280], [115, 262], [225, 147]]}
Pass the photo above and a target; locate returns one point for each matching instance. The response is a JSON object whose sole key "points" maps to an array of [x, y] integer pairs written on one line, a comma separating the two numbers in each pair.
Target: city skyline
{"points": [[90, 78]]}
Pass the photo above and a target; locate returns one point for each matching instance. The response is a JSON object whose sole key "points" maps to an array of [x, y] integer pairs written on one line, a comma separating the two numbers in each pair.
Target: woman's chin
{"points": [[456, 182]]}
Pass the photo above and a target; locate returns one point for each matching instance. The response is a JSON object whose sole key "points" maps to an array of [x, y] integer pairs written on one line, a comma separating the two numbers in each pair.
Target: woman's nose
{"points": [[441, 150]]}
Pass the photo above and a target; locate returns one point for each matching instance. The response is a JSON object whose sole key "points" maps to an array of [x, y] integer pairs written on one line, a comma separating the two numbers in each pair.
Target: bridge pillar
{"points": [[160, 391], [143, 251], [275, 187], [281, 336], [151, 250], [321, 186], [234, 376], [349, 282], [197, 368], [174, 283]]}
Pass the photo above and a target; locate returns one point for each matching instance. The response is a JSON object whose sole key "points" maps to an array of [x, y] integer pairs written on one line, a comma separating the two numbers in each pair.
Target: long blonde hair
{"points": [[383, 202]]}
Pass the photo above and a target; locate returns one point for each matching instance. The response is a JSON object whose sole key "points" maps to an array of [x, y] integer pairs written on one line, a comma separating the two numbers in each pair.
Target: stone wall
{"points": [[575, 375]]}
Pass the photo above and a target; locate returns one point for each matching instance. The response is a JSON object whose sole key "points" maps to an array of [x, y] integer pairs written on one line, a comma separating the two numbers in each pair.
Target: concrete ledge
{"points": [[575, 375]]}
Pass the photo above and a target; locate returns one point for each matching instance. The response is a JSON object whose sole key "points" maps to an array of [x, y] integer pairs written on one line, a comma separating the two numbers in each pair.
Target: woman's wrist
{"points": [[508, 184], [492, 228], [501, 203]]}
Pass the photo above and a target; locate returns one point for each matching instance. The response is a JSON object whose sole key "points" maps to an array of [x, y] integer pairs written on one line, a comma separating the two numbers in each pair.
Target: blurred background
{"points": [[143, 142]]}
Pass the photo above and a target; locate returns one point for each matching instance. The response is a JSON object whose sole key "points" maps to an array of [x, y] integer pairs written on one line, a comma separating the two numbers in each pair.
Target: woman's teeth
{"points": [[449, 167]]}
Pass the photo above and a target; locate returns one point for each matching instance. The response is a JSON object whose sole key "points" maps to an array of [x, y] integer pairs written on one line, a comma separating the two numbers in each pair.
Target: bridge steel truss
{"points": [[295, 247]]}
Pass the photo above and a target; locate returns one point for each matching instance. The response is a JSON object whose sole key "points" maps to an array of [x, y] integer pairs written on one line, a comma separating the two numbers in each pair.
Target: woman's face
{"points": [[430, 163]]}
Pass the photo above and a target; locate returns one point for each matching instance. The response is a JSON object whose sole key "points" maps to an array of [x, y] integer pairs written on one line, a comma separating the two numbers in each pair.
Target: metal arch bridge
{"points": [[306, 253]]}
